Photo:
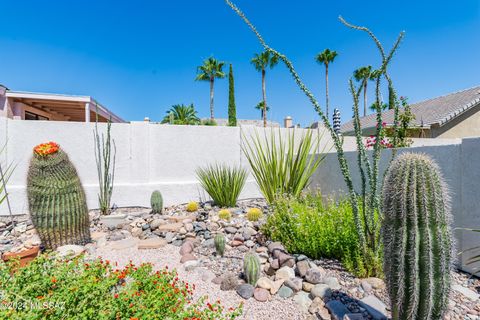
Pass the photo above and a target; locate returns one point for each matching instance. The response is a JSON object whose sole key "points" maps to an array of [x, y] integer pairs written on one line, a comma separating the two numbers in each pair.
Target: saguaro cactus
{"points": [[56, 198], [417, 238], [251, 268]]}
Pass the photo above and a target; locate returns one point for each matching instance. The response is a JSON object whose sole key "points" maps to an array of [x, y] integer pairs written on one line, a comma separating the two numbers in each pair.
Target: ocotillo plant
{"points": [[416, 237], [104, 146], [365, 203], [251, 268], [56, 199]]}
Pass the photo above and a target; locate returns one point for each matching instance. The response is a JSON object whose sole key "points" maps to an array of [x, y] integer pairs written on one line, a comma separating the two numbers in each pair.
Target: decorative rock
{"points": [[374, 306], [337, 309], [265, 283], [285, 292], [123, 244], [70, 250], [152, 243], [95, 235], [366, 286], [236, 243], [275, 246], [245, 291], [250, 243], [295, 284], [302, 267], [302, 300], [210, 243], [276, 286], [376, 283], [275, 264], [261, 294], [313, 275], [156, 223], [136, 232], [321, 290], [229, 282], [284, 273], [248, 233], [317, 305], [332, 282], [191, 264], [172, 227], [307, 286], [230, 230], [217, 280], [187, 257], [187, 247]]}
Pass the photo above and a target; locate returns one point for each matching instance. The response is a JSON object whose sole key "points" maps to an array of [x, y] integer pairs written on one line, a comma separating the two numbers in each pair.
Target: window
{"points": [[33, 116]]}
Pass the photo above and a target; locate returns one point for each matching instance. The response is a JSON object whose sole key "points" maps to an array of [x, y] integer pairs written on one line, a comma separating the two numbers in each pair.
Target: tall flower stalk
{"points": [[105, 160], [365, 203]]}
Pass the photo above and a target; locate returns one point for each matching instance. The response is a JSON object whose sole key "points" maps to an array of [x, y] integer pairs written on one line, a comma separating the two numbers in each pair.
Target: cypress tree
{"points": [[232, 111]]}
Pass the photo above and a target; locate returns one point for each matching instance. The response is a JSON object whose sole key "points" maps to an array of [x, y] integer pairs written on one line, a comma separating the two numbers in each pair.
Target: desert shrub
{"points": [[55, 289], [208, 122], [307, 225], [222, 183], [282, 165]]}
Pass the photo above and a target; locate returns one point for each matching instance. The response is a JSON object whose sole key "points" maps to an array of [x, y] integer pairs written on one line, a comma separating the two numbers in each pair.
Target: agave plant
{"points": [[282, 165], [181, 114], [222, 183]]}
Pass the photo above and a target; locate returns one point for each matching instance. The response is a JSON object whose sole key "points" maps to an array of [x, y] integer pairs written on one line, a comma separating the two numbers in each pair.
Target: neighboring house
{"points": [[456, 115], [243, 122], [54, 107]]}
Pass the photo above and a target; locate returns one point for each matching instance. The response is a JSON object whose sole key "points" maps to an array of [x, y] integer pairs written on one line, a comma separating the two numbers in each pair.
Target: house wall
{"points": [[464, 125], [151, 156]]}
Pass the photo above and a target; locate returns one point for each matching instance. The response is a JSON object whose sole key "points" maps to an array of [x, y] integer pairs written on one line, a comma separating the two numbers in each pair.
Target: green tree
{"points": [[326, 57], [232, 111], [262, 61], [260, 107], [181, 114], [361, 74], [211, 69]]}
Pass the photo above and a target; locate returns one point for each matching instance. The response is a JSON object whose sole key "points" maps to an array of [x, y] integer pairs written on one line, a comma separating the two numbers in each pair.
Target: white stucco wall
{"points": [[164, 157]]}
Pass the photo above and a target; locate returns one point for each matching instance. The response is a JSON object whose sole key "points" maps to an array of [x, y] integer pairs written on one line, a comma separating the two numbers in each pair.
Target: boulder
{"points": [[314, 275], [285, 292], [245, 291], [265, 283], [152, 243], [303, 300], [284, 273], [295, 284], [321, 290], [261, 294]]}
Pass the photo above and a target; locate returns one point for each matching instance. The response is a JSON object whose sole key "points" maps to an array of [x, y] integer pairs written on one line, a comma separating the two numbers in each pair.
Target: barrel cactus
{"points": [[417, 238], [254, 214], [192, 206], [225, 214], [219, 241], [56, 199], [156, 202], [251, 268]]}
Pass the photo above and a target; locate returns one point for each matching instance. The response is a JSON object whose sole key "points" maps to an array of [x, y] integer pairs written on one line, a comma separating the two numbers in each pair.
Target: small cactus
{"points": [[220, 244], [156, 202], [192, 206], [254, 214], [225, 214], [56, 198], [251, 268], [417, 239]]}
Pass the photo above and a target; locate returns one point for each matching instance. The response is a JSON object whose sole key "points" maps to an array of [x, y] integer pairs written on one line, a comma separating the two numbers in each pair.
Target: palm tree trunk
{"points": [[212, 117], [365, 99], [264, 100], [326, 88]]}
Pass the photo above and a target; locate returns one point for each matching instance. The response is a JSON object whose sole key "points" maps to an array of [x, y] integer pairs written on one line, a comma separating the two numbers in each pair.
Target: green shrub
{"points": [[55, 289], [222, 183], [282, 165], [208, 122], [307, 225]]}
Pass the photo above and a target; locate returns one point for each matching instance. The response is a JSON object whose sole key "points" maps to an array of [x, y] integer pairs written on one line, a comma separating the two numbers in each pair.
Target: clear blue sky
{"points": [[139, 57]]}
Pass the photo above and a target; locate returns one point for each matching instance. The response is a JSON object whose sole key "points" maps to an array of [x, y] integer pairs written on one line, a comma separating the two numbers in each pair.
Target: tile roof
{"points": [[438, 110]]}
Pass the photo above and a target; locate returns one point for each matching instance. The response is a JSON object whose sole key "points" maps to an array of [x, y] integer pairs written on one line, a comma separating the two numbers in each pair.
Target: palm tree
{"points": [[211, 69], [363, 73], [261, 61], [260, 107], [181, 114], [326, 57]]}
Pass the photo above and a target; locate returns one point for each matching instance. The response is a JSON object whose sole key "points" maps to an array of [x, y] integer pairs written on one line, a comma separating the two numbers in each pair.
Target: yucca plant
{"points": [[282, 165], [222, 183]]}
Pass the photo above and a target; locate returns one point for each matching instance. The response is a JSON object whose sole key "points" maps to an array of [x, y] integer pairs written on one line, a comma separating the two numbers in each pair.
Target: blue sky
{"points": [[139, 58]]}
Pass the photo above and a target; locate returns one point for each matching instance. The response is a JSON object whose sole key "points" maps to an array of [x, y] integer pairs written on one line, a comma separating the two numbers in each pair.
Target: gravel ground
{"points": [[169, 256]]}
